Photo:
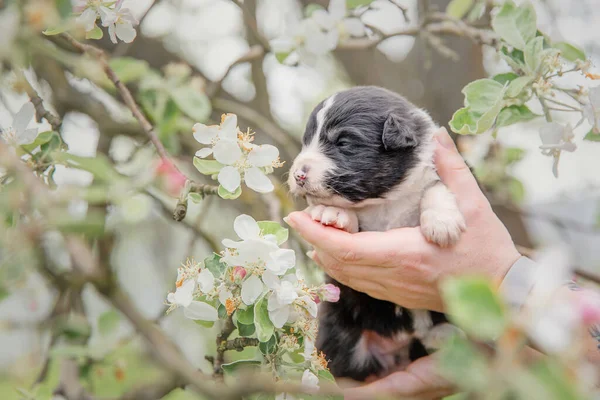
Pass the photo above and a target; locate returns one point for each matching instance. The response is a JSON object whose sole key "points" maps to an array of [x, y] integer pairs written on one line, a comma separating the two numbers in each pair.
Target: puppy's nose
{"points": [[300, 175]]}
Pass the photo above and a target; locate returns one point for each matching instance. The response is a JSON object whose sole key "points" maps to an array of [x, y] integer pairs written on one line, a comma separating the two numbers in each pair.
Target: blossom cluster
{"points": [[236, 158], [318, 34], [119, 21], [254, 282]]}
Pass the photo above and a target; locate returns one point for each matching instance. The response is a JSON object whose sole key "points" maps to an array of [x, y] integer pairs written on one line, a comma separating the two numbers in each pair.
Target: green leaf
{"points": [[592, 136], [268, 347], [214, 265], [41, 139], [227, 195], [108, 322], [459, 8], [281, 57], [222, 312], [207, 167], [240, 365], [482, 94], [483, 101], [75, 326], [209, 324], [516, 190], [246, 330], [462, 364], [95, 33], [55, 31], [193, 103], [513, 155], [514, 58], [533, 54], [129, 69], [64, 7], [273, 228], [99, 166], [570, 52], [514, 114], [507, 77], [357, 3], [556, 379], [195, 198], [516, 86], [246, 316], [262, 322], [516, 25], [473, 305]]}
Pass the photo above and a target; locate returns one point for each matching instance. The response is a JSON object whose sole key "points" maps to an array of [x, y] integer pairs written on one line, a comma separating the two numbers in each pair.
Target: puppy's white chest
{"points": [[392, 214]]}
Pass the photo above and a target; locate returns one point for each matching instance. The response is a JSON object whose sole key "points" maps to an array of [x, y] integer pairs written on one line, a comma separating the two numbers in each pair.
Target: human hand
{"points": [[400, 265], [418, 381]]}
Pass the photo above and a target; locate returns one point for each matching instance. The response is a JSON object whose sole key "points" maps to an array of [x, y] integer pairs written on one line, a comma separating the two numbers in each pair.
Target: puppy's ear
{"points": [[399, 132]]}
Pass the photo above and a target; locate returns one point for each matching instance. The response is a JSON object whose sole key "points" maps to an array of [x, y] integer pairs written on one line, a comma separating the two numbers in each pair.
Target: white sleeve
{"points": [[517, 283]]}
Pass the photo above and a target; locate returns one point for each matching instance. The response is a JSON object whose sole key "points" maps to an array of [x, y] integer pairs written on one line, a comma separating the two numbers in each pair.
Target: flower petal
{"points": [[206, 281], [286, 293], [108, 16], [232, 244], [27, 136], [229, 128], [88, 19], [23, 117], [271, 280], [279, 316], [309, 305], [224, 294], [264, 155], [184, 294], [229, 178], [337, 9], [227, 151], [252, 288], [246, 227], [310, 380], [203, 153], [354, 27], [285, 258], [256, 180], [126, 32], [551, 133], [205, 134], [323, 19], [198, 310], [112, 33]]}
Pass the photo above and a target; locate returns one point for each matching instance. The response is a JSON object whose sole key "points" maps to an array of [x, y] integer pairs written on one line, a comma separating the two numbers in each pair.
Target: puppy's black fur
{"points": [[374, 138]]}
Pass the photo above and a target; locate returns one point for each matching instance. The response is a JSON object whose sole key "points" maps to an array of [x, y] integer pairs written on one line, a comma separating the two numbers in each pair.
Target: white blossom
{"points": [[591, 111], [119, 21], [286, 295], [555, 139], [310, 380], [255, 251], [192, 309], [18, 134], [239, 157]]}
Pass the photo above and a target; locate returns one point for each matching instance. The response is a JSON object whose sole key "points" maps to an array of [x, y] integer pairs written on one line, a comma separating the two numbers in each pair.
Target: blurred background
{"points": [[214, 37]]}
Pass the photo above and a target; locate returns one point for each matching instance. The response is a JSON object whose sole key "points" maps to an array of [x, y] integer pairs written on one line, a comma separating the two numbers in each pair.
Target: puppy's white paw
{"points": [[333, 216], [442, 226]]}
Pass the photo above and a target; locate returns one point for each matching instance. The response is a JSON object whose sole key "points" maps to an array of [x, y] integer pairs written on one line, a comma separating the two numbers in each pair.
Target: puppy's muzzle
{"points": [[301, 174]]}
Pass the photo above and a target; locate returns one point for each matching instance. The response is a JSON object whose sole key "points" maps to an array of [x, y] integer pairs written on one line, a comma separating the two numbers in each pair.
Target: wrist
{"points": [[517, 282]]}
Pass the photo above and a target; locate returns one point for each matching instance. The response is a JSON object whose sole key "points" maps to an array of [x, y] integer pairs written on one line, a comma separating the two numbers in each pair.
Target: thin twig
{"points": [[40, 111], [222, 337]]}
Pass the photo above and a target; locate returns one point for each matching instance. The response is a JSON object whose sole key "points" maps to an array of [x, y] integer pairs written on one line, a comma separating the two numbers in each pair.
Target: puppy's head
{"points": [[360, 144]]}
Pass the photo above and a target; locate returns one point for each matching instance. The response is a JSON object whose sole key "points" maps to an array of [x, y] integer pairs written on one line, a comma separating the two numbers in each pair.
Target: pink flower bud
{"points": [[589, 307], [172, 180], [316, 298], [239, 273], [330, 293]]}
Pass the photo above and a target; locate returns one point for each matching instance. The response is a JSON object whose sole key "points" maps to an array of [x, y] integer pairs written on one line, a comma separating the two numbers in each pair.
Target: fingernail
{"points": [[444, 138], [289, 220], [311, 254]]}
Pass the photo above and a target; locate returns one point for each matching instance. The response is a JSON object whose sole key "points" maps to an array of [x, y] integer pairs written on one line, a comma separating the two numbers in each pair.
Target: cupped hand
{"points": [[400, 265]]}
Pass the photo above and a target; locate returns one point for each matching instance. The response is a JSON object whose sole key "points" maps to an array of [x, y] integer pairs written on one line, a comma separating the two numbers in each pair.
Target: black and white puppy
{"points": [[367, 165]]}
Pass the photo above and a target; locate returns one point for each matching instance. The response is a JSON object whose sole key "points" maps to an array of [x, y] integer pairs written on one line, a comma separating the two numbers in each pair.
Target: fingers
{"points": [[452, 169], [420, 380], [372, 248]]}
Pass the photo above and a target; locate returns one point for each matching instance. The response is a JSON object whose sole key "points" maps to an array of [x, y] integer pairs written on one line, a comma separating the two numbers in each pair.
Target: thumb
{"points": [[451, 167]]}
